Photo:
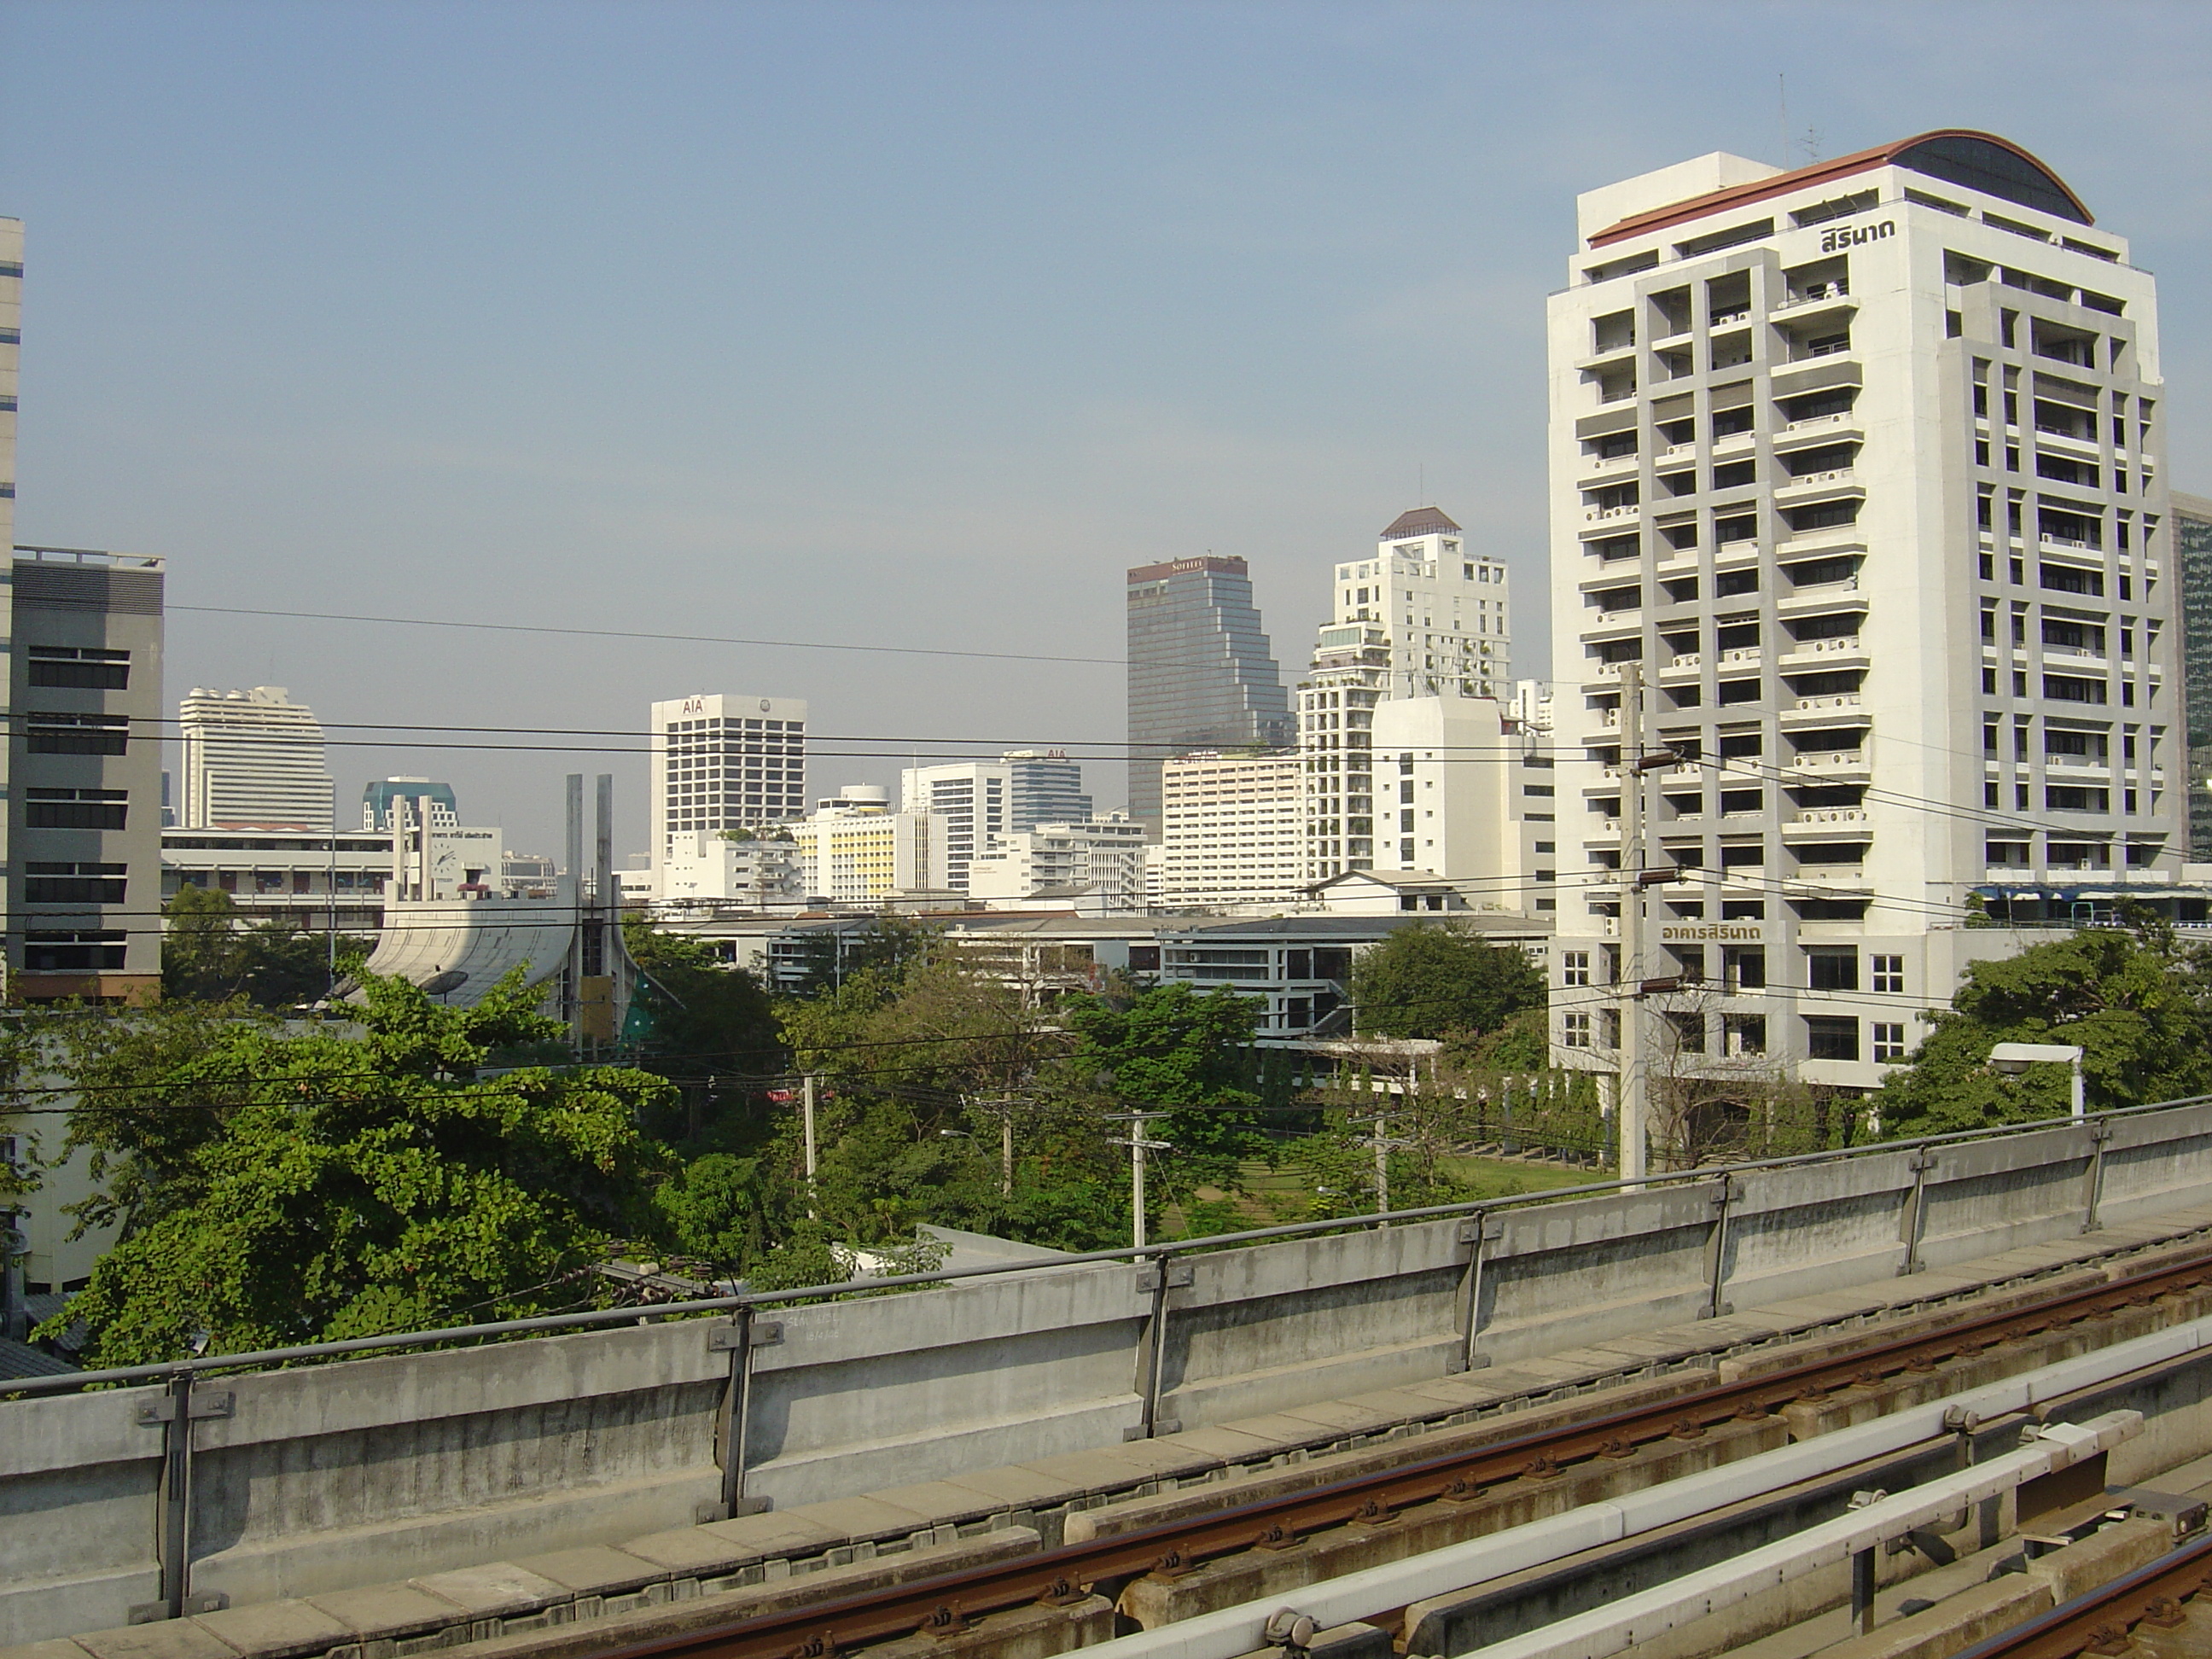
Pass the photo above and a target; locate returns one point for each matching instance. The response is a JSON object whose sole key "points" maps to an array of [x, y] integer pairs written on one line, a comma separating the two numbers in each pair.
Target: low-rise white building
{"points": [[314, 883], [1233, 828], [761, 872], [1104, 855]]}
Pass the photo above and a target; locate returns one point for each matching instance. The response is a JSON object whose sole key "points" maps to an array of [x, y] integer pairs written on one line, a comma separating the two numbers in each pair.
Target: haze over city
{"points": [[906, 326]]}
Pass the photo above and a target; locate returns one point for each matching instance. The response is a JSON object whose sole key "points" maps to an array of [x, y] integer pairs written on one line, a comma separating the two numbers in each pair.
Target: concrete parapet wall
{"points": [[323, 1478]]}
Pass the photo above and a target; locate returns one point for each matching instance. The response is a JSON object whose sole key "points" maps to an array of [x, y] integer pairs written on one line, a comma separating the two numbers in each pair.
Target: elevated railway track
{"points": [[1429, 1488]]}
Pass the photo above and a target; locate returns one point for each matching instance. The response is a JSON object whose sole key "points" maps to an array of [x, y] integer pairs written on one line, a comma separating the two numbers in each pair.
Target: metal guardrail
{"points": [[744, 1303]]}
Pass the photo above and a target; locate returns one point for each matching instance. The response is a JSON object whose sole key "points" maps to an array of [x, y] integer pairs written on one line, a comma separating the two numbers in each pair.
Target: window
{"points": [[1575, 1030], [75, 809], [1888, 1040], [1829, 1036], [87, 669], [1743, 966], [52, 953], [1888, 974], [1829, 969], [2072, 798], [1823, 514], [73, 884], [1574, 968], [49, 734]]}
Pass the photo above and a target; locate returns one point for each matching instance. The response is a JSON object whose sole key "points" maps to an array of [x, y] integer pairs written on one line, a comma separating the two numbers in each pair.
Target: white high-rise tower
{"points": [[724, 762], [252, 758], [1856, 469]]}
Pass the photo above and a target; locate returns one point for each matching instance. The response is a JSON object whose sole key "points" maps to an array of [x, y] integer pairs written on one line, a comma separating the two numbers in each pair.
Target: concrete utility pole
{"points": [[1139, 1147], [806, 1133], [1383, 1146], [1627, 985]]}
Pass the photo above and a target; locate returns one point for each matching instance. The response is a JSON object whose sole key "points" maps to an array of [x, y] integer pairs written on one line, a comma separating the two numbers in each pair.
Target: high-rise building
{"points": [[1043, 787], [1855, 469], [1425, 617], [1440, 604], [252, 759], [1201, 672], [1233, 828], [724, 762], [2192, 531], [82, 845], [1350, 674], [982, 802], [434, 803]]}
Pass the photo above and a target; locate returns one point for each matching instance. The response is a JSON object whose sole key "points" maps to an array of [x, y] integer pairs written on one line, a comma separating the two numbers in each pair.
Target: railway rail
{"points": [[1063, 1577], [2172, 1594]]}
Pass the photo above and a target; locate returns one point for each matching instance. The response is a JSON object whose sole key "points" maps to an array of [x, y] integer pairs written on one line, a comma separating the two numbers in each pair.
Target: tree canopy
{"points": [[207, 957], [1434, 981], [2134, 1002], [274, 1188]]}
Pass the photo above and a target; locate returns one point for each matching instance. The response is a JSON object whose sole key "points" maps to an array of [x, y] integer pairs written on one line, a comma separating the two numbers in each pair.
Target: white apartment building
{"points": [[1858, 467], [1466, 794], [1426, 617], [253, 759], [852, 856], [1106, 856], [973, 798], [1440, 606], [1233, 828], [707, 868], [724, 762]]}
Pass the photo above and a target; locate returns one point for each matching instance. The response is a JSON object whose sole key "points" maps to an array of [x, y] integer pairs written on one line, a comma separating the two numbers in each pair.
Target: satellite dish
{"points": [[438, 984]]}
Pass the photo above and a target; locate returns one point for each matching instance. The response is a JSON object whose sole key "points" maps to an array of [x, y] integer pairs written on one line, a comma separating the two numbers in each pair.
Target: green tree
{"points": [[888, 946], [711, 1024], [1429, 981], [277, 1188], [2134, 1002], [1170, 1048], [206, 956]]}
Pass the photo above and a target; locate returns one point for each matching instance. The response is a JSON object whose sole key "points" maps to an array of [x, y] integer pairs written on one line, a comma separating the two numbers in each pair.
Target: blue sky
{"points": [[904, 324]]}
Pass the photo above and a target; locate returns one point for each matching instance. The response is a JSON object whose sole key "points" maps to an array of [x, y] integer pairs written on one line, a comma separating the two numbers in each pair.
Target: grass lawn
{"points": [[1487, 1177]]}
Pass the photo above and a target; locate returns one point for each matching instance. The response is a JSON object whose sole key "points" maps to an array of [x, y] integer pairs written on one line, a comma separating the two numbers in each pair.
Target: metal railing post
{"points": [[177, 1495], [1158, 1276], [1477, 1235], [1914, 1222], [1716, 1248], [2093, 1183], [740, 1337]]}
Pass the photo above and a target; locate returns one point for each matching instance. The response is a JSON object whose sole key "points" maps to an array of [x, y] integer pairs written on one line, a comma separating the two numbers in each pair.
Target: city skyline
{"points": [[1107, 328]]}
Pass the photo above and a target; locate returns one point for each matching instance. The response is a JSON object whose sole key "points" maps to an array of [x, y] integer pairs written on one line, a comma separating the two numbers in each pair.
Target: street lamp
{"points": [[2014, 1058]]}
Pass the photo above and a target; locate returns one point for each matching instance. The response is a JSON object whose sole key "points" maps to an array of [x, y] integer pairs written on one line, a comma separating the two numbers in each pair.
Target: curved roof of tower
{"points": [[1977, 160], [1421, 521]]}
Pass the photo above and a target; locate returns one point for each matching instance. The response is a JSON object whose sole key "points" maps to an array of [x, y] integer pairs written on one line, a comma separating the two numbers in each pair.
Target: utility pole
{"points": [[1005, 1149], [1634, 983], [1383, 1146], [1628, 983], [1139, 1147], [807, 1133]]}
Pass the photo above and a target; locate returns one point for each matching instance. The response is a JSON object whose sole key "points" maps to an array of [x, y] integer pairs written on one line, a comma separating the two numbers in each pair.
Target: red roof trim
{"points": [[1843, 166]]}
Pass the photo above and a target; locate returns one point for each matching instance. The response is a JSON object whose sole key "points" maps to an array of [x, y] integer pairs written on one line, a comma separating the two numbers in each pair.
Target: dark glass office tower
{"points": [[1201, 672]]}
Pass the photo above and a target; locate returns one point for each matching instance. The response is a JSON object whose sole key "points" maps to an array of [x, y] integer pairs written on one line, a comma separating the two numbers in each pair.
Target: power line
{"points": [[623, 633]]}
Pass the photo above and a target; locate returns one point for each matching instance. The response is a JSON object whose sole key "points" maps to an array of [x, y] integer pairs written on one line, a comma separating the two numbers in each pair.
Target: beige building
{"points": [[1233, 828]]}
